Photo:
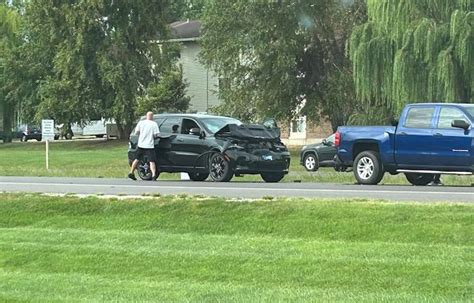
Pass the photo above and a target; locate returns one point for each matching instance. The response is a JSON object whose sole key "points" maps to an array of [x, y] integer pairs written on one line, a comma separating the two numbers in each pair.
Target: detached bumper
{"points": [[259, 161]]}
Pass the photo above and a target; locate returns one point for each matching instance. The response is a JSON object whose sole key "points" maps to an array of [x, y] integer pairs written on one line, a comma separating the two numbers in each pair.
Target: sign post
{"points": [[47, 134]]}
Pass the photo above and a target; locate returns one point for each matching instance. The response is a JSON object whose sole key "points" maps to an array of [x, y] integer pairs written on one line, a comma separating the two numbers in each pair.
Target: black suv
{"points": [[216, 146]]}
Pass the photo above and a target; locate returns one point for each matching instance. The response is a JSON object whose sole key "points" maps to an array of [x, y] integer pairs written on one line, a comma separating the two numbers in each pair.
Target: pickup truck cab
{"points": [[429, 139]]}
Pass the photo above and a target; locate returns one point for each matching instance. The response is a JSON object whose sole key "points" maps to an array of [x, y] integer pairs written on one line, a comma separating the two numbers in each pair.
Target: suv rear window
{"points": [[419, 117], [167, 125]]}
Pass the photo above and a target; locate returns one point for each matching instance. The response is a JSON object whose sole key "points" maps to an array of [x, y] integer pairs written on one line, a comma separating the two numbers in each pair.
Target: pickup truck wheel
{"points": [[311, 162], [419, 179], [368, 168], [219, 168], [198, 176], [272, 177]]}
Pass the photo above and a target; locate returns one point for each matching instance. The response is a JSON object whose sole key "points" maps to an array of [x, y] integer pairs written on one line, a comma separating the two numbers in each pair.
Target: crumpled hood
{"points": [[252, 132]]}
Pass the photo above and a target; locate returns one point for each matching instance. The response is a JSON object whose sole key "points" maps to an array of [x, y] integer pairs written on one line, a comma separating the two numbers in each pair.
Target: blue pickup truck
{"points": [[429, 139]]}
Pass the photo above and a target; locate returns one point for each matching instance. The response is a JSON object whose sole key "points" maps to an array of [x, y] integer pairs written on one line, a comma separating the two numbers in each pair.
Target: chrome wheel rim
{"points": [[218, 166], [365, 168], [310, 162]]}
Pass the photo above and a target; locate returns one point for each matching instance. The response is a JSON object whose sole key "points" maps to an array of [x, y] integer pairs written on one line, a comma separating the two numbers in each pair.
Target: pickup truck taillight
{"points": [[337, 139]]}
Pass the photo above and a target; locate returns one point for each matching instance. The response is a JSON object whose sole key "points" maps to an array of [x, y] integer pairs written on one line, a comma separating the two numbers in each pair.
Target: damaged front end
{"points": [[254, 149]]}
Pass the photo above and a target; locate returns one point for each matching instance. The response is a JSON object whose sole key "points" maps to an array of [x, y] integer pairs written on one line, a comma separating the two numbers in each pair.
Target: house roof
{"points": [[189, 30]]}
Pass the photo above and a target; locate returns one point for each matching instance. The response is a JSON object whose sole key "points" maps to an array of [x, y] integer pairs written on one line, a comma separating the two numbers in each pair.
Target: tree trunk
{"points": [[7, 123]]}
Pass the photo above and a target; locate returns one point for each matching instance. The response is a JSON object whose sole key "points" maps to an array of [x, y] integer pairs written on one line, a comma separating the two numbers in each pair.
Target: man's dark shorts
{"points": [[149, 153]]}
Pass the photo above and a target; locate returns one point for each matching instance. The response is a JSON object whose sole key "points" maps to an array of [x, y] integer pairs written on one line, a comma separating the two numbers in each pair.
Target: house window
{"points": [[298, 127]]}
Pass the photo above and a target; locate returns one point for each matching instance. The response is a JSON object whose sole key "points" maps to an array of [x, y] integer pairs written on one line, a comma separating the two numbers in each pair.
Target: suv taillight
{"points": [[337, 139]]}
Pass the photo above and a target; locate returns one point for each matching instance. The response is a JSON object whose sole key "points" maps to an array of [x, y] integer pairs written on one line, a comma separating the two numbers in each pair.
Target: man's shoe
{"points": [[132, 176], [154, 178]]}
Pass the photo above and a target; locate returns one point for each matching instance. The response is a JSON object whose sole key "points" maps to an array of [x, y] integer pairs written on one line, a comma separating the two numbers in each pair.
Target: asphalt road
{"points": [[236, 189]]}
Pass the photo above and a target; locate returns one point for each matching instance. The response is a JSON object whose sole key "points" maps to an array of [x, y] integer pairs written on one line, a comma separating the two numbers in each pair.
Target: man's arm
{"points": [[137, 129], [156, 131]]}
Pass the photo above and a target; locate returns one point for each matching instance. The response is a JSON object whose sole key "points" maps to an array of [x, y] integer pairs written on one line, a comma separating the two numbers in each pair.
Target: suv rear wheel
{"points": [[144, 170], [368, 168], [219, 168]]}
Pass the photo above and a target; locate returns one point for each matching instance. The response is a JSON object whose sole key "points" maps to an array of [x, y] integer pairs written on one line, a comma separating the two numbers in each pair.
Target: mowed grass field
{"points": [[108, 158], [194, 249]]}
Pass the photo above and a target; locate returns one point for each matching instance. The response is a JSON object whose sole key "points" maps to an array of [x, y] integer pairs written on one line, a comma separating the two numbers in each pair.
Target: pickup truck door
{"points": [[414, 138], [452, 147]]}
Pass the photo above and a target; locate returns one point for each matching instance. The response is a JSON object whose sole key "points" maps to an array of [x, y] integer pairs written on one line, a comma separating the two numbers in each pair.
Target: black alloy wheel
{"points": [[219, 168], [144, 170]]}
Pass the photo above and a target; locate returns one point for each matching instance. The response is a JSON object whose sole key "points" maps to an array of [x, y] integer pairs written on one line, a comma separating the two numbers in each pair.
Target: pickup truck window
{"points": [[447, 115], [419, 117]]}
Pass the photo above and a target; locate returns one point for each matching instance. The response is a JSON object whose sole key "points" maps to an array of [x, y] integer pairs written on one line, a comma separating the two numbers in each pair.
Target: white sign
{"points": [[47, 130]]}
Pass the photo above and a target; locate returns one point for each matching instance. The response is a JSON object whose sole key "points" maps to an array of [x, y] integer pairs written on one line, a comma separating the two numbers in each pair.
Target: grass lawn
{"points": [[101, 158], [189, 249]]}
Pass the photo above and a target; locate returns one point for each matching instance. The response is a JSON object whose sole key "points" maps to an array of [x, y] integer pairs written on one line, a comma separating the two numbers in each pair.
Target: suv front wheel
{"points": [[219, 168]]}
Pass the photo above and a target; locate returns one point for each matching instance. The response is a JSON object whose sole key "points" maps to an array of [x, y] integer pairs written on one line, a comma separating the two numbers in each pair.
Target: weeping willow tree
{"points": [[414, 51]]}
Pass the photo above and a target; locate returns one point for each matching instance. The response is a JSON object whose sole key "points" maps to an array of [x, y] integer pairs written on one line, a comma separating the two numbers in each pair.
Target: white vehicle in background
{"points": [[97, 128]]}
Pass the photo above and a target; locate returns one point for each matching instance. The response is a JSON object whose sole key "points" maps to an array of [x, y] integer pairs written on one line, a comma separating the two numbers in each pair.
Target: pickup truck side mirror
{"points": [[460, 124]]}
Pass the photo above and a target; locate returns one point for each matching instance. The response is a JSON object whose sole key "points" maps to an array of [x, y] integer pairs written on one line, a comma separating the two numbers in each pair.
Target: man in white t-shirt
{"points": [[147, 130]]}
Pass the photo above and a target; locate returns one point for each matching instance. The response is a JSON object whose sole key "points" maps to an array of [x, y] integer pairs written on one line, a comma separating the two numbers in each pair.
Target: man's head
{"points": [[149, 115]]}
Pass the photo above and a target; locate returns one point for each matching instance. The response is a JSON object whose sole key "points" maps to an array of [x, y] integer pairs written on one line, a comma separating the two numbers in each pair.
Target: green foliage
{"points": [[181, 249], [9, 41], [84, 59], [414, 51], [187, 9], [280, 58], [166, 95]]}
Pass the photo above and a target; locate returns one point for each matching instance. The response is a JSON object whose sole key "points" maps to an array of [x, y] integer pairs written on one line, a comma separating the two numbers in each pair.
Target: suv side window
{"points": [[447, 115], [419, 117], [167, 125], [187, 125]]}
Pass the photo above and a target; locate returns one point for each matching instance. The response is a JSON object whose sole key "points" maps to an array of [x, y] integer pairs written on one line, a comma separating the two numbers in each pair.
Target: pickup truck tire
{"points": [[368, 168], [419, 179]]}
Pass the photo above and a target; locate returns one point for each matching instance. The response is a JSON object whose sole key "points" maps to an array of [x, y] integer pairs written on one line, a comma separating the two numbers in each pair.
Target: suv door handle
{"points": [[180, 140], [438, 134], [403, 133]]}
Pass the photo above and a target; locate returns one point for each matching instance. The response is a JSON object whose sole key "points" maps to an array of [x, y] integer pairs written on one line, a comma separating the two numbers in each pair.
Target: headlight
{"points": [[305, 146]]}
